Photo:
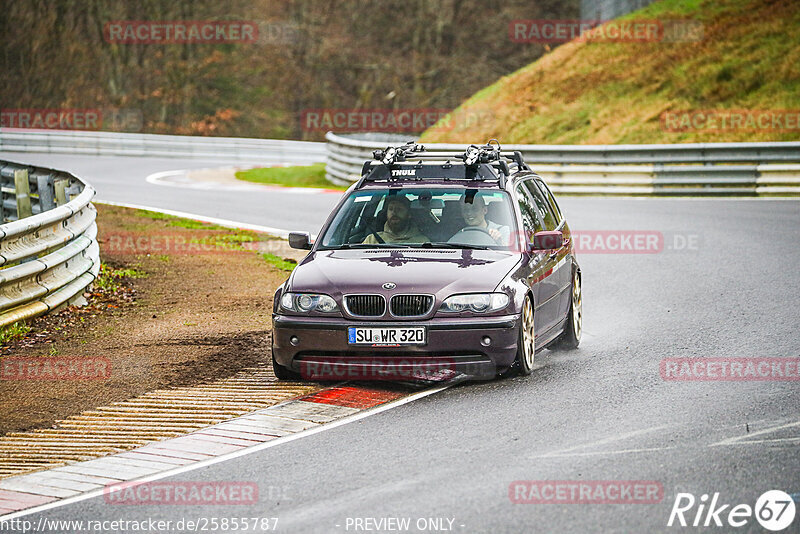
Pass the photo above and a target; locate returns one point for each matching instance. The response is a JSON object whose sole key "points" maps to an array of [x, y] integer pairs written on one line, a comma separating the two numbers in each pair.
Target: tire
{"points": [[571, 337], [283, 373], [526, 342]]}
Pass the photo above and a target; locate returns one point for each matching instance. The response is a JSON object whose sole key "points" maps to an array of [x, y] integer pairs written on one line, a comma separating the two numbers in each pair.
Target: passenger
{"points": [[399, 227], [474, 214]]}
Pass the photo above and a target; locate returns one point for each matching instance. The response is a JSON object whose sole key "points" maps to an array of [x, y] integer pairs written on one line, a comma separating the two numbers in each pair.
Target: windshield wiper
{"points": [[439, 244], [428, 244], [366, 245]]}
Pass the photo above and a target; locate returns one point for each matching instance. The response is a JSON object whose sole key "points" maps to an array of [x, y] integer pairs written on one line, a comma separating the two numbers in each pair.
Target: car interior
{"points": [[439, 219]]}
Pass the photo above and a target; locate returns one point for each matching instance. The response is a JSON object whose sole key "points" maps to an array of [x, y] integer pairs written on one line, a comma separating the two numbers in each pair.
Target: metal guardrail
{"points": [[742, 169], [222, 149], [48, 240]]}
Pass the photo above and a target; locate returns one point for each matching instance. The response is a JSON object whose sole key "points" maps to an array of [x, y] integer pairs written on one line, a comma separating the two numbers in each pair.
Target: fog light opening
{"points": [[294, 340], [486, 341]]}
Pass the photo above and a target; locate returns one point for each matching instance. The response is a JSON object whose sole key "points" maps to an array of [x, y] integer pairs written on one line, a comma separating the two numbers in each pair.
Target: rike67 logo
{"points": [[774, 511]]}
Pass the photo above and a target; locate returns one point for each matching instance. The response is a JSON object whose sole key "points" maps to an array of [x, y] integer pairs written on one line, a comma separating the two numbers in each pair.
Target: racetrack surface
{"points": [[602, 412], [122, 179]]}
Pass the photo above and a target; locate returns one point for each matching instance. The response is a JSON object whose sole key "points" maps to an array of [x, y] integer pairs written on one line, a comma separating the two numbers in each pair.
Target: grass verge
{"points": [[303, 176], [13, 332], [178, 222], [280, 263], [110, 279]]}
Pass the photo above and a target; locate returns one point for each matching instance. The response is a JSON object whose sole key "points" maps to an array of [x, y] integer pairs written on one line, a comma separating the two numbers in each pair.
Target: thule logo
{"points": [[404, 172]]}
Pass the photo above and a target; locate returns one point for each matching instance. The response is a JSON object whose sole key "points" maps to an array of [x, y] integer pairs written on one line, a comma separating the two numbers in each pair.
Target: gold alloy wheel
{"points": [[577, 306], [528, 348]]}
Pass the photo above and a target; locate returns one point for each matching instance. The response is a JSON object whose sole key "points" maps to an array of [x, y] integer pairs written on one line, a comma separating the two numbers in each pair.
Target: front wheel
{"points": [[571, 337], [526, 347], [283, 373]]}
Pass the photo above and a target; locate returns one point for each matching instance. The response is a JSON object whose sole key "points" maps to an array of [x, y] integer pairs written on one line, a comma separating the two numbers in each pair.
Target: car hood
{"points": [[440, 272]]}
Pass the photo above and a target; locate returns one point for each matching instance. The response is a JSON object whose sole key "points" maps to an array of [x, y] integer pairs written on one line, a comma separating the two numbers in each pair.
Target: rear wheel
{"points": [[526, 348], [571, 337]]}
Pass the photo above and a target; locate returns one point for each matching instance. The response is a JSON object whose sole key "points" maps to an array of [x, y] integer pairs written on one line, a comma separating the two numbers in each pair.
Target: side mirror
{"points": [[549, 240], [300, 240]]}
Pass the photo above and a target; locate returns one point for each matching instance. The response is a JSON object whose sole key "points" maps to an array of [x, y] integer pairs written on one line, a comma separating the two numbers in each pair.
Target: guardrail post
{"points": [[60, 187], [23, 193], [5, 191], [46, 189], [72, 190]]}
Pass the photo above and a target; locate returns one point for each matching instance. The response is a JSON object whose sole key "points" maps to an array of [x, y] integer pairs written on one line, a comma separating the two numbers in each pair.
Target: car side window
{"points": [[529, 218], [542, 208], [358, 217], [551, 200]]}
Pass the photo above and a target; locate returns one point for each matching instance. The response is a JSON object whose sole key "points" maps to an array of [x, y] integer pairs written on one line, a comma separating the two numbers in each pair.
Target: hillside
{"points": [[310, 55], [748, 60]]}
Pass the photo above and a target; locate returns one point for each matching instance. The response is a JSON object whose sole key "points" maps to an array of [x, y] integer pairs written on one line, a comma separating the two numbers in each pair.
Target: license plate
{"points": [[389, 336]]}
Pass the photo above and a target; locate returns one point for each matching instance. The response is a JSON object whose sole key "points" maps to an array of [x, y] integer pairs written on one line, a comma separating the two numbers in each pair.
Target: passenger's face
{"points": [[475, 213], [397, 216]]}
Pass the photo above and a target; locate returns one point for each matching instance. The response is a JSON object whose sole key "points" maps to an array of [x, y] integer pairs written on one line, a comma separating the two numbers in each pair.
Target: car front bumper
{"points": [[456, 346]]}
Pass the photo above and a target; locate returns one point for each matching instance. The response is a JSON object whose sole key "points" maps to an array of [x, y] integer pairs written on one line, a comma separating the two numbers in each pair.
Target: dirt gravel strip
{"points": [[151, 417], [197, 308], [26, 493]]}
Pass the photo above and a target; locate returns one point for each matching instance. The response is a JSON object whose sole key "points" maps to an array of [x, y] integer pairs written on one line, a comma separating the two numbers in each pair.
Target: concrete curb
{"points": [[341, 403]]}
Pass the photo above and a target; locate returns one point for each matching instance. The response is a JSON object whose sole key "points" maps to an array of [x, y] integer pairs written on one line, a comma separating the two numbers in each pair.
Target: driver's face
{"points": [[397, 216], [475, 213]]}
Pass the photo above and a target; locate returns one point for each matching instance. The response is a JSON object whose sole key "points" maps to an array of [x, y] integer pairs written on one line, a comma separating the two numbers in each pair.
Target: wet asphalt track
{"points": [[602, 412]]}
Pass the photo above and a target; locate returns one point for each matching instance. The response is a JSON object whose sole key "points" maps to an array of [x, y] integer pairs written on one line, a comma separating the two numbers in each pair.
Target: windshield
{"points": [[434, 217]]}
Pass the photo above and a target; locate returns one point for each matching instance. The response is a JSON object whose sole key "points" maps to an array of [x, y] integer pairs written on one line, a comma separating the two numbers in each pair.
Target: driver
{"points": [[474, 211], [399, 227]]}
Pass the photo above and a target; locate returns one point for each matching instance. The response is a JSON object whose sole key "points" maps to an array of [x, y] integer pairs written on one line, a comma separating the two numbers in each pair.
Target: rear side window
{"points": [[542, 207], [551, 200], [529, 218]]}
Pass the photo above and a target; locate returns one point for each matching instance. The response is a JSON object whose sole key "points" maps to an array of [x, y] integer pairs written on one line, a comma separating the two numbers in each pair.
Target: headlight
{"points": [[475, 302], [308, 302]]}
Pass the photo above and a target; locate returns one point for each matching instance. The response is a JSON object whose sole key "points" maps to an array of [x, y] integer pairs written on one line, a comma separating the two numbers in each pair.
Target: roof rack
{"points": [[477, 163], [394, 154]]}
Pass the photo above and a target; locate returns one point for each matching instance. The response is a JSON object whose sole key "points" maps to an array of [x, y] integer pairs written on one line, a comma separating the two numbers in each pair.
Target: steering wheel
{"points": [[476, 229], [474, 238]]}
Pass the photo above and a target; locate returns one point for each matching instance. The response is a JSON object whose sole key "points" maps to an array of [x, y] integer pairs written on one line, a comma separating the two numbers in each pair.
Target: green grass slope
{"points": [[302, 176], [606, 93]]}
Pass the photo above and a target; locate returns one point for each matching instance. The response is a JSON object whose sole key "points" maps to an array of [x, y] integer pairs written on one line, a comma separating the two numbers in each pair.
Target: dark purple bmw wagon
{"points": [[432, 266]]}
